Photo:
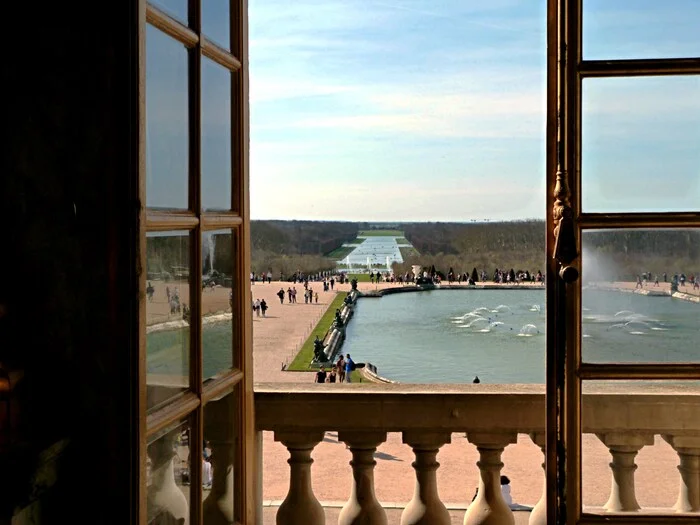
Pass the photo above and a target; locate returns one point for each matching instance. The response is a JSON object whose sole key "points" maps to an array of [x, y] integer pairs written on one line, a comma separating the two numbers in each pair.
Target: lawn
{"points": [[402, 240], [340, 253], [301, 362], [380, 233], [361, 277]]}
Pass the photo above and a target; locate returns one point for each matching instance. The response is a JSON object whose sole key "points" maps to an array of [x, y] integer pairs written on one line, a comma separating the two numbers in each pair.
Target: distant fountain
{"points": [[208, 250], [529, 330]]}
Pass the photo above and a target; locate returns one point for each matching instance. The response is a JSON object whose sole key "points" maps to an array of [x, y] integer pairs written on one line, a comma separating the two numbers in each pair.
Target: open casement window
{"points": [[196, 404], [573, 371]]}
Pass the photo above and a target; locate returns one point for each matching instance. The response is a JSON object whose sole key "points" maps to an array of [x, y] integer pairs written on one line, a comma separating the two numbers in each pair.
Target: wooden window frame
{"points": [[239, 378], [566, 370]]}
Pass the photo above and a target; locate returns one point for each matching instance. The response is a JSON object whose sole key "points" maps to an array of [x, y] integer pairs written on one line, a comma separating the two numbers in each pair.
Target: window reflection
{"points": [[216, 136], [175, 8], [615, 29], [218, 460], [168, 476], [167, 315], [640, 141], [641, 296], [218, 263], [215, 21], [166, 121]]}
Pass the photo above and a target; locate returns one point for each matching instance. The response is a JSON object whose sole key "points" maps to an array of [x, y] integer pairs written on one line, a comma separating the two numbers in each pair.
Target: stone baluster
{"points": [[489, 507], [165, 499], [538, 516], [425, 508], [688, 450], [300, 507], [624, 448], [217, 508], [362, 508]]}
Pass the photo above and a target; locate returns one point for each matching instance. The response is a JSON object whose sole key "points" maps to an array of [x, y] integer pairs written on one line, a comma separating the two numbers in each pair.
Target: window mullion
{"points": [[195, 205]]}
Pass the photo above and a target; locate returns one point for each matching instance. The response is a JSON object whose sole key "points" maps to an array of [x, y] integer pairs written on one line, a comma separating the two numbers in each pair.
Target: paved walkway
{"points": [[276, 339]]}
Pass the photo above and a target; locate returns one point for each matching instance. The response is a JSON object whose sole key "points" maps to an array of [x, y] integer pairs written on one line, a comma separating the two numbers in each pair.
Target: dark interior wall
{"points": [[68, 250]]}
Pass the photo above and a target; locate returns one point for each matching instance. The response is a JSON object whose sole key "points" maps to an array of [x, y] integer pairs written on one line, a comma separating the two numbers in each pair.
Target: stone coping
{"points": [[621, 387]]}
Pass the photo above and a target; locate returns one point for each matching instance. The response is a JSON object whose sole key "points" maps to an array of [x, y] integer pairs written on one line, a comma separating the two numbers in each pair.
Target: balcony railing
{"points": [[491, 416]]}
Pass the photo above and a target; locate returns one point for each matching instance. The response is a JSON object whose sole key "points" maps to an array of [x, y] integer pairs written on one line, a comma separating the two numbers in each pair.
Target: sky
{"points": [[417, 110]]}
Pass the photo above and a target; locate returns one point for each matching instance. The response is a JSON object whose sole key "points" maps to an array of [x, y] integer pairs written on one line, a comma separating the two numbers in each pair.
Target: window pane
{"points": [[216, 21], [167, 306], [217, 470], [640, 441], [216, 136], [168, 476], [639, 304], [166, 121], [175, 8], [640, 141], [218, 263], [640, 29]]}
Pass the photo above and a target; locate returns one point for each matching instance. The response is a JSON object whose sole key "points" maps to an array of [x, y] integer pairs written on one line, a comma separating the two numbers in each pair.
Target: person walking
{"points": [[340, 366], [320, 376], [263, 307], [349, 367], [280, 294]]}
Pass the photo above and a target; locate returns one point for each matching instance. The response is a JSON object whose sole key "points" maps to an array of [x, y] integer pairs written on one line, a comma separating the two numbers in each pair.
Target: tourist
{"points": [[349, 367], [280, 294], [505, 490], [207, 475], [340, 366], [256, 307], [150, 291], [316, 297], [332, 282], [321, 376], [263, 307], [332, 376]]}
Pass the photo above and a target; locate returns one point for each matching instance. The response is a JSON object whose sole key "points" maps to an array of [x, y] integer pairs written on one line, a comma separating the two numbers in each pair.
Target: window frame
{"points": [[195, 220], [566, 370]]}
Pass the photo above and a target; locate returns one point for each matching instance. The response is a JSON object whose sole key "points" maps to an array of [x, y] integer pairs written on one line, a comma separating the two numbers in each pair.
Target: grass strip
{"points": [[340, 253], [303, 359], [380, 233]]}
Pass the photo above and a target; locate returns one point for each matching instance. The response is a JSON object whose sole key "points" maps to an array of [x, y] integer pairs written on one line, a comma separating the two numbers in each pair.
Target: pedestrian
{"points": [[280, 294], [316, 297], [340, 366], [263, 307], [349, 367], [320, 376]]}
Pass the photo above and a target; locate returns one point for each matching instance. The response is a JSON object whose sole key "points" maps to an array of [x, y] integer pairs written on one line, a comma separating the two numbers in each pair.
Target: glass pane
{"points": [[217, 466], [168, 476], [175, 8], [216, 21], [216, 136], [640, 141], [640, 439], [621, 29], [641, 296], [167, 315], [218, 263], [166, 121]]}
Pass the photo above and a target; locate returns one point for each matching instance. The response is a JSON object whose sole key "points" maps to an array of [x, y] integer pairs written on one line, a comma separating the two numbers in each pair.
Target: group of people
{"points": [[676, 280], [260, 307], [340, 372]]}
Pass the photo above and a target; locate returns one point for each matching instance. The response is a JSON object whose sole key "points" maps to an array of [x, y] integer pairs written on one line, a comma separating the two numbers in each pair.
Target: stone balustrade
{"points": [[624, 418]]}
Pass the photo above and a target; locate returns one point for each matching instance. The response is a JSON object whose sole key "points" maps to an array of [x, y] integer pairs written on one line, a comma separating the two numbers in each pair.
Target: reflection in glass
{"points": [[217, 470], [175, 8], [218, 264], [168, 476], [216, 136], [641, 296], [166, 121], [640, 141], [167, 315], [215, 21], [615, 29], [638, 446]]}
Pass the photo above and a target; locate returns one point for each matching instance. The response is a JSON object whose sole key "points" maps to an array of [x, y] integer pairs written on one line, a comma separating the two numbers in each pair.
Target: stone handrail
{"points": [[623, 417]]}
